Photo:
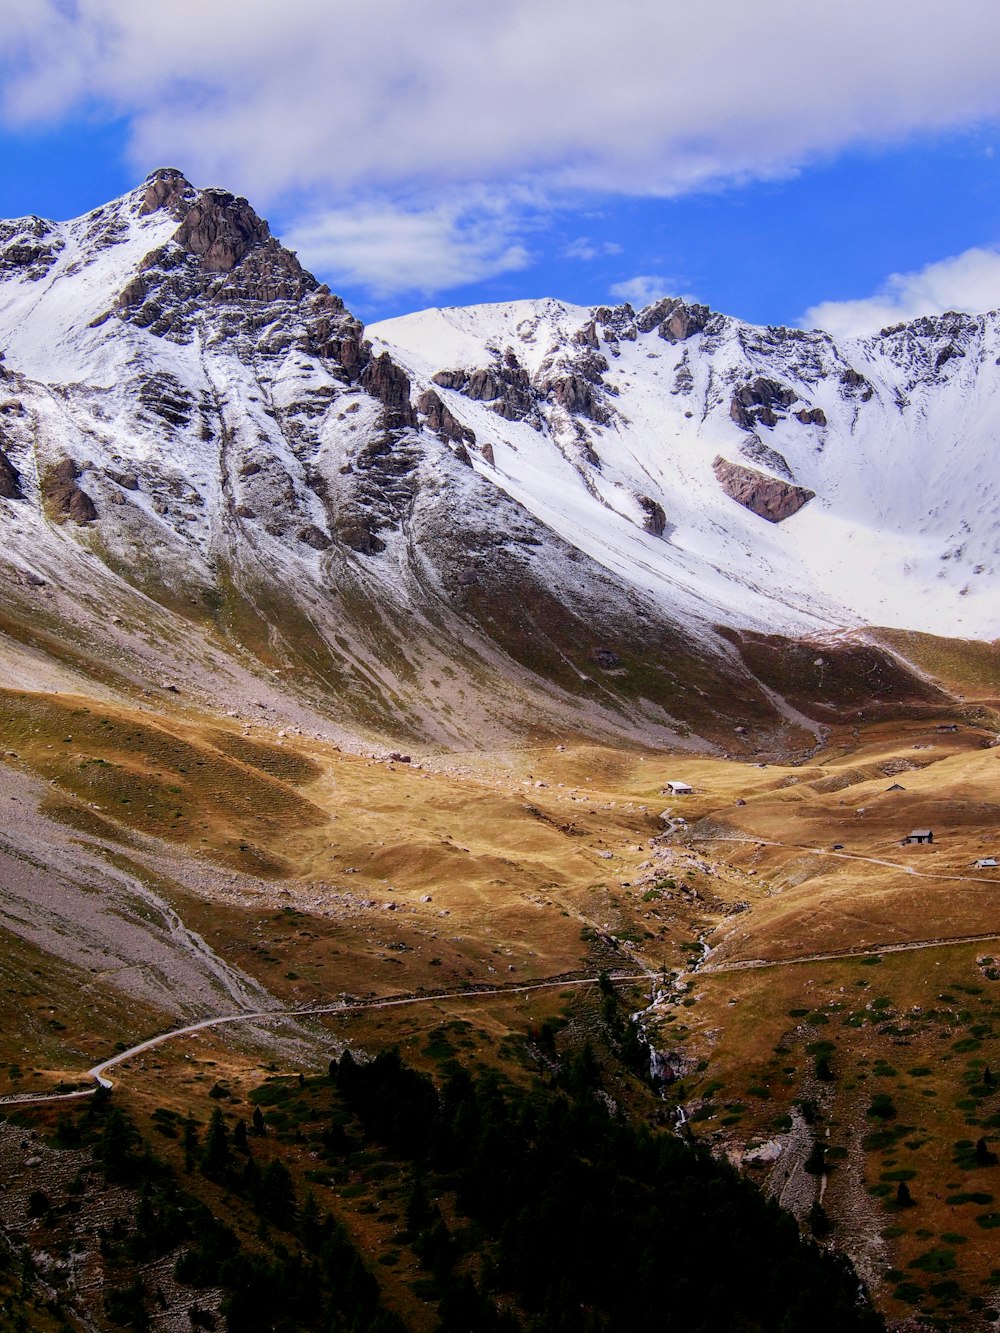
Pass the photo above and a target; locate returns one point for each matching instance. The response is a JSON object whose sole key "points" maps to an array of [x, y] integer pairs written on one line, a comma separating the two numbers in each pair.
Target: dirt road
{"points": [[98, 1072]]}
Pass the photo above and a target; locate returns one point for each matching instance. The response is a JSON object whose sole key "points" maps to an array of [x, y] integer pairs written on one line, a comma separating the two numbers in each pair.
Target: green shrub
{"points": [[937, 1260], [881, 1107]]}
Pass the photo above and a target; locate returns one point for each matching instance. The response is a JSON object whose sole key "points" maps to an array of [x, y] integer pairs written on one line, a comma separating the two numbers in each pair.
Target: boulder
{"points": [[768, 497], [655, 520], [62, 496]]}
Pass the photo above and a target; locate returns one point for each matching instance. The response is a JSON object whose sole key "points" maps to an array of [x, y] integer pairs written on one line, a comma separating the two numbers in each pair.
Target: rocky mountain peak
{"points": [[221, 229], [222, 263], [169, 189], [217, 226], [690, 429], [674, 319]]}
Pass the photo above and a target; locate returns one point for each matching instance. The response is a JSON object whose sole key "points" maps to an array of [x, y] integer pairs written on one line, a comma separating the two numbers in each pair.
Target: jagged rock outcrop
{"points": [[163, 394], [618, 324], [674, 320], [453, 379], [218, 227], [384, 380], [441, 421], [656, 520], [505, 386], [10, 481], [221, 256], [28, 248], [166, 188], [221, 229], [769, 497], [947, 353], [576, 395], [856, 385], [811, 416], [223, 273], [62, 496], [587, 336], [755, 403]]}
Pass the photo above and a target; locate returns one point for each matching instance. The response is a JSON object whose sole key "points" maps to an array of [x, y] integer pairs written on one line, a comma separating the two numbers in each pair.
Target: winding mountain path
{"points": [[864, 951], [936, 942], [98, 1072], [844, 856]]}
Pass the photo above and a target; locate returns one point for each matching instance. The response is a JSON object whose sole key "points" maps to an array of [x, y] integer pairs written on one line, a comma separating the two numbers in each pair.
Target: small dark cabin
{"points": [[920, 835]]}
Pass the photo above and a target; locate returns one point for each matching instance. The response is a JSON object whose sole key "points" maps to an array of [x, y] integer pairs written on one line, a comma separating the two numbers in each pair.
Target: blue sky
{"points": [[831, 167]]}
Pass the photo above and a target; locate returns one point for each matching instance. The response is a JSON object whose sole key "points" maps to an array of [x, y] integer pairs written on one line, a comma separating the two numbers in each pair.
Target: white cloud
{"points": [[334, 101], [391, 249], [969, 281], [644, 97], [644, 289], [585, 249]]}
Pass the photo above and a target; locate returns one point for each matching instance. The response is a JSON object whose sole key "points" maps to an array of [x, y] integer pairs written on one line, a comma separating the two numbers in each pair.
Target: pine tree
{"points": [[215, 1157], [276, 1195], [310, 1231], [190, 1143], [117, 1146], [983, 1155]]}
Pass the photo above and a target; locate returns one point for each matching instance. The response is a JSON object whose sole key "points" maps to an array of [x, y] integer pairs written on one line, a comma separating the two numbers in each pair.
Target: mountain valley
{"points": [[343, 677]]}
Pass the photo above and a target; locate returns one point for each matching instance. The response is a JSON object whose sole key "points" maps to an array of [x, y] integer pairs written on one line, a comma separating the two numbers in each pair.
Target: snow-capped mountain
{"points": [[634, 434], [495, 521]]}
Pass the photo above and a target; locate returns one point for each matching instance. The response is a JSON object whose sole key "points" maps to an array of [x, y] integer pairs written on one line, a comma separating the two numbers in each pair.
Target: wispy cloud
{"points": [[646, 288], [583, 248], [969, 281], [391, 249]]}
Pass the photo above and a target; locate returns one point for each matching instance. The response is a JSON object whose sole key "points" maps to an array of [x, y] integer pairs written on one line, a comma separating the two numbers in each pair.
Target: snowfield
{"points": [[903, 530]]}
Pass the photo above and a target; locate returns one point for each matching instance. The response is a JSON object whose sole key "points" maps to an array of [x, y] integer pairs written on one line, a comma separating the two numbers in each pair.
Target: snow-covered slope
{"points": [[468, 524], [894, 434]]}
